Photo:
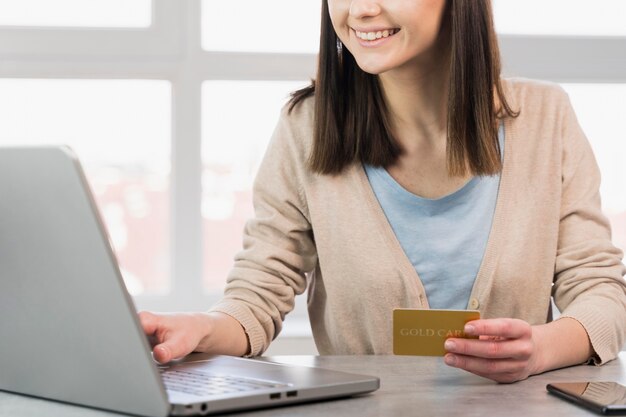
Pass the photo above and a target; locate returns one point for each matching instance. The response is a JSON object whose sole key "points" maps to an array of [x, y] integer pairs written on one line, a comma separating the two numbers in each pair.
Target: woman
{"points": [[409, 175]]}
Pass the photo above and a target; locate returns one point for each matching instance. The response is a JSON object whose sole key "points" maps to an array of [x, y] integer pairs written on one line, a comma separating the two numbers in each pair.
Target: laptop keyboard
{"points": [[204, 384]]}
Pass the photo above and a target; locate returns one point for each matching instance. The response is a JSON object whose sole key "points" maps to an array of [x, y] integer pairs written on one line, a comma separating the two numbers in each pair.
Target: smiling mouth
{"points": [[372, 36]]}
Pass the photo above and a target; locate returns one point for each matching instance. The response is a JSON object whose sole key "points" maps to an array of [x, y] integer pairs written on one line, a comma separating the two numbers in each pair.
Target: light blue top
{"points": [[444, 239]]}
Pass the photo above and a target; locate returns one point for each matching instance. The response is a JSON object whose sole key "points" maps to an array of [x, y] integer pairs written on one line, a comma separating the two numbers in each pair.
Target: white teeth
{"points": [[370, 36]]}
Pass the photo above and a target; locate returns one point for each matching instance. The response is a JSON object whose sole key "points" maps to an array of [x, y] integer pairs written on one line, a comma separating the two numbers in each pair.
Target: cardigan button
{"points": [[474, 304]]}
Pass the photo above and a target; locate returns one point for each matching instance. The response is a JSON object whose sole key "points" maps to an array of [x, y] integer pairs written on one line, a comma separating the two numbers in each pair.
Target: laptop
{"points": [[68, 327]]}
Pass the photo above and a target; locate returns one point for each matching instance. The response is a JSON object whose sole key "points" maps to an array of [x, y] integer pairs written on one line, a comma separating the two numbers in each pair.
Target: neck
{"points": [[417, 104]]}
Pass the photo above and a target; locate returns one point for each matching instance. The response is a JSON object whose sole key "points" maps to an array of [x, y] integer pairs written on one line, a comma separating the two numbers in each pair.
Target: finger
{"points": [[490, 348], [502, 370], [149, 322], [484, 337], [506, 328], [173, 347], [161, 353]]}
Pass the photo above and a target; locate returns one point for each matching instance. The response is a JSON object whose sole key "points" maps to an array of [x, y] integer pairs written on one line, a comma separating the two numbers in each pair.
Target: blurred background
{"points": [[170, 104]]}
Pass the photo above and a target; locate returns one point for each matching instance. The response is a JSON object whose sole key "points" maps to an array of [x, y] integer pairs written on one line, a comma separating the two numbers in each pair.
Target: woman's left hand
{"points": [[505, 352]]}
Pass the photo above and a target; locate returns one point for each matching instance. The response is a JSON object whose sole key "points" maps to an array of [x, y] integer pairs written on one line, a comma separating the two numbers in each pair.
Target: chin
{"points": [[373, 69]]}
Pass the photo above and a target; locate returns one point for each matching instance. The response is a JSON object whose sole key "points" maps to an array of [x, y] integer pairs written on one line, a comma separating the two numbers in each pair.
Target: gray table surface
{"points": [[410, 386]]}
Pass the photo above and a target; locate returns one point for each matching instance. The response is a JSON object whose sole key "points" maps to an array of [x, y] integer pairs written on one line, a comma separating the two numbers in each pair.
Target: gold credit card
{"points": [[423, 332]]}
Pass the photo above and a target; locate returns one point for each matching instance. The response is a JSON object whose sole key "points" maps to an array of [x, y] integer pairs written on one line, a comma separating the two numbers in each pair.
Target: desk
{"points": [[410, 386]]}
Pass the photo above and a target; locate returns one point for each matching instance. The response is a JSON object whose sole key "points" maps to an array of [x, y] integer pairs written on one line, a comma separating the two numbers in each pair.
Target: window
{"points": [[76, 13], [560, 17], [238, 118], [120, 129], [115, 74], [109, 87], [286, 26]]}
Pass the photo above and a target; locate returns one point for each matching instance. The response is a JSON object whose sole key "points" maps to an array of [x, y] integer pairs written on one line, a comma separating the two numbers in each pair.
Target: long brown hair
{"points": [[351, 118]]}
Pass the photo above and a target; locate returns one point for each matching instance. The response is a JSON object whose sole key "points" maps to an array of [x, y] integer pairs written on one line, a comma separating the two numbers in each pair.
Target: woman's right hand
{"points": [[175, 335]]}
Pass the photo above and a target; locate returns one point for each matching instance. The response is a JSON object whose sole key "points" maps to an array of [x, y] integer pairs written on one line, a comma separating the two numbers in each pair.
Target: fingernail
{"points": [[162, 351], [449, 345], [469, 329], [450, 359]]}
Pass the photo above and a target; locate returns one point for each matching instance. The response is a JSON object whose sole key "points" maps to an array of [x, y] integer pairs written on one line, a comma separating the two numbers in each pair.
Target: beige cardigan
{"points": [[548, 237]]}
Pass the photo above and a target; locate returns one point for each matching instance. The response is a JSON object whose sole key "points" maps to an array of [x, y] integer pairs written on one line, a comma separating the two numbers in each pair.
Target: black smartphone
{"points": [[608, 398]]}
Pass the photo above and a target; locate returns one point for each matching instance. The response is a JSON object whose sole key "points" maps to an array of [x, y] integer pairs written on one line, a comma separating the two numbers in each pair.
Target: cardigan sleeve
{"points": [[589, 285], [278, 248]]}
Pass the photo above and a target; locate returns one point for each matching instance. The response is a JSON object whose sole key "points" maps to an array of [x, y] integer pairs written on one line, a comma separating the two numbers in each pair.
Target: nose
{"points": [[364, 8]]}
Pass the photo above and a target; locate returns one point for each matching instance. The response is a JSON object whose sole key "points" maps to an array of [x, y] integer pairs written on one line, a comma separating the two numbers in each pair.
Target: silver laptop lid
{"points": [[71, 327], [53, 249]]}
